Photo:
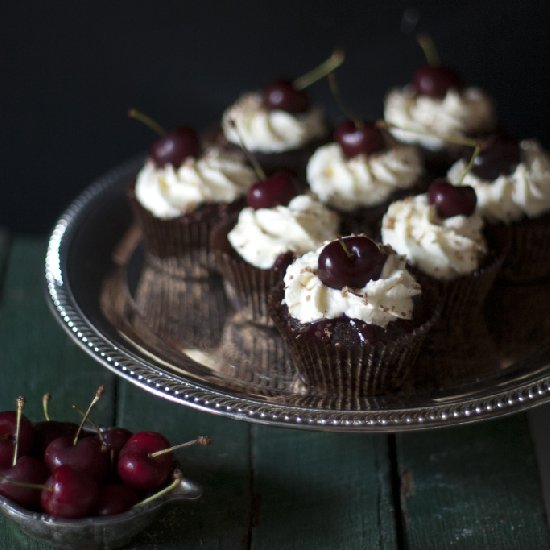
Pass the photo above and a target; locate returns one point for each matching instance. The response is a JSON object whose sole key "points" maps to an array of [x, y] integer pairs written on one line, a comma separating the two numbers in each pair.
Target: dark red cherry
{"points": [[69, 494], [276, 190], [8, 423], [355, 139], [115, 438], [115, 499], [282, 95], [499, 155], [137, 468], [435, 81], [27, 470], [450, 200], [48, 430], [87, 456], [175, 146], [351, 262]]}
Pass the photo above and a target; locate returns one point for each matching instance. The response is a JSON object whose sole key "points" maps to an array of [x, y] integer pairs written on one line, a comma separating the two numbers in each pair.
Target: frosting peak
{"points": [[443, 248], [364, 180], [524, 192], [169, 192], [269, 131], [379, 302], [261, 235], [456, 114]]}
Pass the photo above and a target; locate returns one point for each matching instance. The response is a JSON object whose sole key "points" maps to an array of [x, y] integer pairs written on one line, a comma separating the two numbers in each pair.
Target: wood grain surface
{"points": [[271, 488]]}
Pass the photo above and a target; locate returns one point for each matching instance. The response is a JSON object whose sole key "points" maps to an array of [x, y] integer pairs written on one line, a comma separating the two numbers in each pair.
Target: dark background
{"points": [[70, 70]]}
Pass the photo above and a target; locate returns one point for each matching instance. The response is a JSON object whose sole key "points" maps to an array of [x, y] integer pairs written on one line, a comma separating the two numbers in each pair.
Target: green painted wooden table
{"points": [[468, 487]]}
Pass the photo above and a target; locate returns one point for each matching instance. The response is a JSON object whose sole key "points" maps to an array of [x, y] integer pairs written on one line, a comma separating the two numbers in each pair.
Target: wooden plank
{"points": [[321, 490], [221, 518], [36, 356], [472, 487]]}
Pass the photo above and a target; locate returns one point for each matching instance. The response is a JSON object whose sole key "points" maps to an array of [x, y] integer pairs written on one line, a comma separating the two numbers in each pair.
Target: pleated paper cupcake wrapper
{"points": [[518, 318], [462, 299], [188, 312], [351, 371], [248, 287], [176, 245], [255, 355], [528, 244]]}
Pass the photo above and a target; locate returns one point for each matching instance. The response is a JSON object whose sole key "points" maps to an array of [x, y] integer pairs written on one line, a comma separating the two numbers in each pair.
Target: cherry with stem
{"points": [[454, 200], [355, 136], [433, 80], [268, 192], [290, 96], [172, 147]]}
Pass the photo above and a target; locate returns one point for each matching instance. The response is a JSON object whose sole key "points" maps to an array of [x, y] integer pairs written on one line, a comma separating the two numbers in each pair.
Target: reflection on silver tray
{"points": [[180, 340]]}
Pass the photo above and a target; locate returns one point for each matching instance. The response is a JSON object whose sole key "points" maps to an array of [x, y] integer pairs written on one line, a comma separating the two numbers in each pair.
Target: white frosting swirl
{"points": [[456, 114], [524, 192], [259, 236], [270, 131], [378, 303], [442, 248], [363, 180], [169, 192]]}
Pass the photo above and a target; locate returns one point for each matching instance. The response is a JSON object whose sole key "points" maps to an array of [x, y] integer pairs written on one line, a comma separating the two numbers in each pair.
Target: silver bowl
{"points": [[96, 532]]}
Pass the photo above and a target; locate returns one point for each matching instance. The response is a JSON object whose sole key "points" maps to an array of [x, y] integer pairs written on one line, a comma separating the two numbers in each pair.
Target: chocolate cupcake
{"points": [[278, 139], [436, 109], [177, 199], [512, 183], [440, 234], [278, 124], [253, 249], [360, 173], [352, 317]]}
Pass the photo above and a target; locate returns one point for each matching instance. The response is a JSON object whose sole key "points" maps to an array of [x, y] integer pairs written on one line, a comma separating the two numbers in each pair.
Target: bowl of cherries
{"points": [[77, 487]]}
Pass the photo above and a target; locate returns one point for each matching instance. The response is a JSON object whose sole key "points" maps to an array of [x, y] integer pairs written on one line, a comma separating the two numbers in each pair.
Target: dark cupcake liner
{"points": [[350, 371], [294, 160], [188, 312], [255, 355], [181, 245], [528, 248], [462, 299], [247, 286], [518, 319]]}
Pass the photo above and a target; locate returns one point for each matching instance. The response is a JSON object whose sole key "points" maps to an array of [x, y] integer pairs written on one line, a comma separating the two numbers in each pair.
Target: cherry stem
{"points": [[147, 121], [20, 403], [45, 402], [98, 394], [429, 49], [470, 164], [202, 440], [90, 421], [260, 174], [26, 484], [458, 140], [345, 248], [324, 69], [337, 95], [178, 476]]}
